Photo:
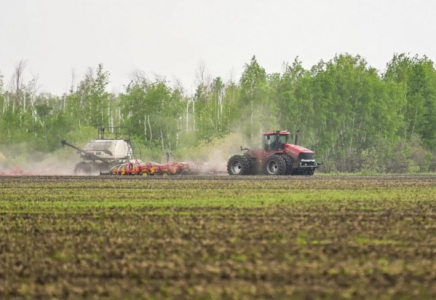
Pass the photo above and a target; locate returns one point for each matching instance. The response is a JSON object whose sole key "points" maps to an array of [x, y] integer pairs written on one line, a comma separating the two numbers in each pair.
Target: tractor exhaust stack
{"points": [[297, 137]]}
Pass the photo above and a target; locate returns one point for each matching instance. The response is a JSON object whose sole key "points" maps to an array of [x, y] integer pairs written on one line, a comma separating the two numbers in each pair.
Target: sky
{"points": [[172, 39]]}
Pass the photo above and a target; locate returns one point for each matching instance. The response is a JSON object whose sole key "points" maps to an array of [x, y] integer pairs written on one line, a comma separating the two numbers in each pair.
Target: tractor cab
{"points": [[275, 140]]}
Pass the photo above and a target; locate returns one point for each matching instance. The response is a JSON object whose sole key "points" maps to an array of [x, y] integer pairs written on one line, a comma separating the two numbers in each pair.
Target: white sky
{"points": [[171, 38]]}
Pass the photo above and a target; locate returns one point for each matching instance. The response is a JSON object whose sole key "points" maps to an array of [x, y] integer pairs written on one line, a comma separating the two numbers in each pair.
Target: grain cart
{"points": [[112, 147], [276, 158]]}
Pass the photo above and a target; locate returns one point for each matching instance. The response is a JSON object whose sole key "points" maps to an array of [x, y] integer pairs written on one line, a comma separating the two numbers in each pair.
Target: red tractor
{"points": [[276, 158]]}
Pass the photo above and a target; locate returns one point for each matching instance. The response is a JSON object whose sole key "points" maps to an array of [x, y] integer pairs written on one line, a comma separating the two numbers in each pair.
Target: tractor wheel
{"points": [[289, 163], [238, 165], [82, 168], [274, 165], [252, 165]]}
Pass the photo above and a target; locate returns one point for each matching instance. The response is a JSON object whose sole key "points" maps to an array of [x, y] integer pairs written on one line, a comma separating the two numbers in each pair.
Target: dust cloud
{"points": [[55, 164]]}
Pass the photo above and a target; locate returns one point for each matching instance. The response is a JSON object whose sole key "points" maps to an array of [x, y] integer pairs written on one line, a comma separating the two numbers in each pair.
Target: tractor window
{"points": [[283, 139], [273, 142], [269, 142], [279, 142]]}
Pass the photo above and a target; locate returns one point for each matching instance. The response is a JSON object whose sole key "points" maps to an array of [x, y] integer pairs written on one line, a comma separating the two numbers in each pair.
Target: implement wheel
{"points": [[82, 168]]}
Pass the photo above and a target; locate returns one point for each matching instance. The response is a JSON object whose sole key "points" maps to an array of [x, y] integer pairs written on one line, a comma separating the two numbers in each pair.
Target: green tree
{"points": [[90, 103], [256, 110], [417, 77], [354, 108], [153, 112]]}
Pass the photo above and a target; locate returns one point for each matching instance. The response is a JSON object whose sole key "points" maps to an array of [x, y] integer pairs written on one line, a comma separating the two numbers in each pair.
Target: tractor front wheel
{"points": [[275, 165], [288, 162], [238, 165]]}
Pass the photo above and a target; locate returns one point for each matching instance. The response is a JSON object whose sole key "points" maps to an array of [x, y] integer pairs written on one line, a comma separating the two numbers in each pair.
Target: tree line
{"points": [[355, 117]]}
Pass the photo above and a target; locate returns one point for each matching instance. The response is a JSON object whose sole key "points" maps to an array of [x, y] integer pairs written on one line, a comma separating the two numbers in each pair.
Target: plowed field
{"points": [[218, 237]]}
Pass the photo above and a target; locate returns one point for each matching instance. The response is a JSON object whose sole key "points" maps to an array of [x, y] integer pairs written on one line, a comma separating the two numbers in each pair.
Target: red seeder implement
{"points": [[15, 171], [152, 168]]}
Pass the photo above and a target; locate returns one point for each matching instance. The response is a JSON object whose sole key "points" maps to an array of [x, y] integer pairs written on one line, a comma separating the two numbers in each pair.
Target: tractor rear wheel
{"points": [[252, 165], [274, 165], [238, 165]]}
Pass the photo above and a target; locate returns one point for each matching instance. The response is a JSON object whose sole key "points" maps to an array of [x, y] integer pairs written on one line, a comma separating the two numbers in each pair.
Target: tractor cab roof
{"points": [[275, 132]]}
